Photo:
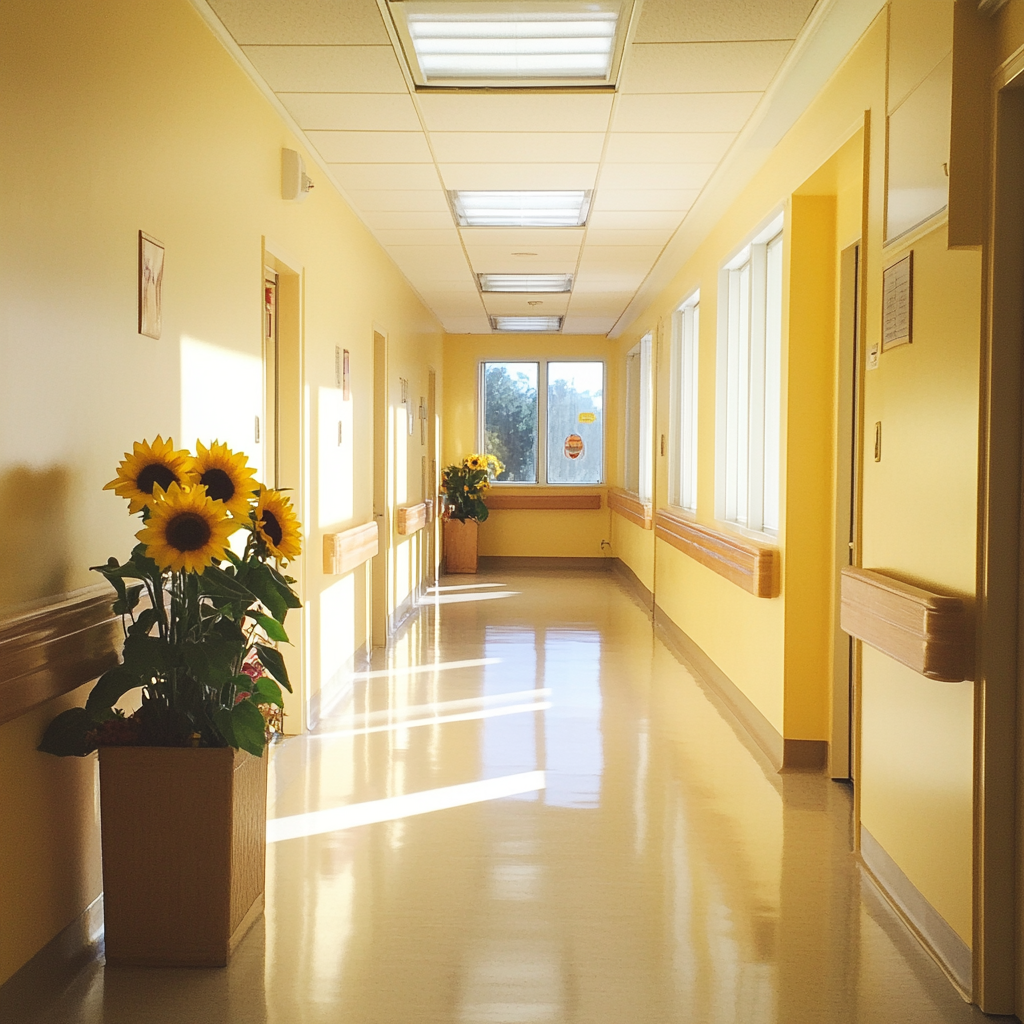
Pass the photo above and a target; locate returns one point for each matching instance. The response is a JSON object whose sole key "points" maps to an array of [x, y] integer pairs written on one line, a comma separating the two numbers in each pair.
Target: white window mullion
{"points": [[646, 453], [755, 462], [772, 384], [691, 352]]}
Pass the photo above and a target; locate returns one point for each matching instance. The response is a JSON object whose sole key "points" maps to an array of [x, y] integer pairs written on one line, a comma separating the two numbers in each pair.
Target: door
{"points": [[381, 469], [267, 428], [841, 764]]}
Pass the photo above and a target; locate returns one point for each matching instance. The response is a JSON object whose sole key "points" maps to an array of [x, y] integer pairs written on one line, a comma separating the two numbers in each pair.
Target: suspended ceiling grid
{"points": [[691, 78]]}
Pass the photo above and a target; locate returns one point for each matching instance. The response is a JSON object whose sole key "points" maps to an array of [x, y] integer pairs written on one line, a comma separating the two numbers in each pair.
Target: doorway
{"points": [[379, 589], [841, 760]]}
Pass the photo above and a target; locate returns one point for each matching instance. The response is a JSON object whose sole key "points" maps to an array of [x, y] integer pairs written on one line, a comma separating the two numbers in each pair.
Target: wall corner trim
{"points": [[634, 582], [740, 706], [951, 953]]}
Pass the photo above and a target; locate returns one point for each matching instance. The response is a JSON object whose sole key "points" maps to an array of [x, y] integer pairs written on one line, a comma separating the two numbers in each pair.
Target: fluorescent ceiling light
{"points": [[521, 209], [527, 324], [524, 283], [512, 42]]}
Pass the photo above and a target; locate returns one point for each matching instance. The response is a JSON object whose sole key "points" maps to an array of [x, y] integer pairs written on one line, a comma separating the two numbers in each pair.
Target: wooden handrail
{"points": [[56, 649], [919, 628], [542, 501], [344, 551], [410, 518], [629, 506], [750, 565]]}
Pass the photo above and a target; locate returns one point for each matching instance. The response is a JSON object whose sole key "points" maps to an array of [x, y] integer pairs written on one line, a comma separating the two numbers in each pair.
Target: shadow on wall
{"points": [[34, 555]]}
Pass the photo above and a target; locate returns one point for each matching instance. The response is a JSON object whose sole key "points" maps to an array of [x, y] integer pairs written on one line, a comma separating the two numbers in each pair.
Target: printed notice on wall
{"points": [[898, 304]]}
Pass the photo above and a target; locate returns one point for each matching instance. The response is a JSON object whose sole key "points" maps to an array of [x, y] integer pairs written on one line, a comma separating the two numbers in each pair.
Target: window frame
{"points": [[743, 447], [640, 448], [684, 405], [542, 363]]}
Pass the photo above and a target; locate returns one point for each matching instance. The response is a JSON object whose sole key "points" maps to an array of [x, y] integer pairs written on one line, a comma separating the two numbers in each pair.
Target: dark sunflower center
{"points": [[155, 474], [272, 528], [219, 485], [187, 531]]}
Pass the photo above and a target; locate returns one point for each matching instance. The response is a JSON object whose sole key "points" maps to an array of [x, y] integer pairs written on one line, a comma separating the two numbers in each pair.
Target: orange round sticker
{"points": [[573, 446]]}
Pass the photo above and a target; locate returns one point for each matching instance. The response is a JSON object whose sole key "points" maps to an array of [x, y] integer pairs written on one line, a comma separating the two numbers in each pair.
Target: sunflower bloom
{"points": [[186, 529], [277, 525], [148, 467], [226, 477]]}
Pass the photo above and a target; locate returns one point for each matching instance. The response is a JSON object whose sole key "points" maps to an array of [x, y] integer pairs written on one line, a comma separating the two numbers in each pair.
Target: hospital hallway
{"points": [[528, 811]]}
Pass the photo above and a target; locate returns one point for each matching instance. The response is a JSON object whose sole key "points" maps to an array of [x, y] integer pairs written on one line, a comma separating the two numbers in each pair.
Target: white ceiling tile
{"points": [[401, 219], [385, 176], [431, 255], [614, 199], [625, 280], [588, 324], [400, 201], [667, 147], [673, 176], [518, 239], [618, 219], [627, 236], [615, 255], [522, 267], [519, 176], [686, 112], [466, 324], [517, 147], [328, 68], [703, 67], [417, 236], [520, 112], [600, 304], [506, 254], [450, 303], [349, 111], [519, 305], [302, 22], [372, 147], [664, 21]]}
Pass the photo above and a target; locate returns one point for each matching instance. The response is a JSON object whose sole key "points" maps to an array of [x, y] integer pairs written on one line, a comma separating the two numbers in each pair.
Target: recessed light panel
{"points": [[521, 283], [512, 42], [521, 209], [527, 324]]}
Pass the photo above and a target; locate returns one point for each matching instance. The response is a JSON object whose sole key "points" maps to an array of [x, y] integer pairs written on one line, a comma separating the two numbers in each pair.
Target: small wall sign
{"points": [[151, 282], [898, 303], [587, 417]]}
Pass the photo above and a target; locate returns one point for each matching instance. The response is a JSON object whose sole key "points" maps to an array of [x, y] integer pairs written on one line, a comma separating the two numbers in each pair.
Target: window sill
{"points": [[631, 507]]}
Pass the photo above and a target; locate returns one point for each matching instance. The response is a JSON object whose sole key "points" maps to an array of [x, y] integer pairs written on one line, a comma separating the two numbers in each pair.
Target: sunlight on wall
{"points": [[336, 480], [221, 395], [337, 636]]}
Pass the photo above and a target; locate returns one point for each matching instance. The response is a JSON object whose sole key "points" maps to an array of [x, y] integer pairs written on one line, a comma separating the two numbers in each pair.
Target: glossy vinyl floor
{"points": [[529, 811]]}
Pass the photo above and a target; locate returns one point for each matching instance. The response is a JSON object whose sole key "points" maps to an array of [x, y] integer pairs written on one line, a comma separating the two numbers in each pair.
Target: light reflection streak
{"points": [[464, 586], [430, 666], [317, 823], [435, 707], [464, 598], [410, 723]]}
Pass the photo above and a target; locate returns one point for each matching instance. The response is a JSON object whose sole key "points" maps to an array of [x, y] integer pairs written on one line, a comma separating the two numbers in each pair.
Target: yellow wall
{"points": [[119, 117], [542, 534]]}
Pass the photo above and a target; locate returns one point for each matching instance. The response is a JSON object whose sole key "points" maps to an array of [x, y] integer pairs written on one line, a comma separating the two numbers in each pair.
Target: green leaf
{"points": [[211, 661], [144, 622], [66, 735], [268, 692], [249, 728], [215, 582], [266, 588], [284, 586], [110, 688], [146, 656], [128, 601], [272, 661], [222, 719], [273, 628]]}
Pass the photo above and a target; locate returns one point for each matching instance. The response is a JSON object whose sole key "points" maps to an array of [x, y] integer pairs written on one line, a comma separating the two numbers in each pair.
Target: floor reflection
{"points": [[530, 812]]}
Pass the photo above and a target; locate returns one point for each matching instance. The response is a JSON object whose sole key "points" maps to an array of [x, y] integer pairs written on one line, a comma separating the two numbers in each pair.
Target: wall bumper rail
{"points": [[751, 566], [924, 630], [411, 518], [631, 507], [344, 551]]}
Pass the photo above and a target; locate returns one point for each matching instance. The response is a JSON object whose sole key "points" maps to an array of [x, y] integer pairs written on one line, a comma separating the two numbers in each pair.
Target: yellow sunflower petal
{"points": [[226, 476], [186, 529], [277, 525], [149, 467]]}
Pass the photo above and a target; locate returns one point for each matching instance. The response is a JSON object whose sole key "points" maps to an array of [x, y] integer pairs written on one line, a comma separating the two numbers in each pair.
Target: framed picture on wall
{"points": [[151, 279], [898, 303], [346, 379]]}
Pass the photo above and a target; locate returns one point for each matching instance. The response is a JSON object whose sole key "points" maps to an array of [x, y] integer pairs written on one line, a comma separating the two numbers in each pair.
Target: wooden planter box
{"points": [[460, 544], [184, 835]]}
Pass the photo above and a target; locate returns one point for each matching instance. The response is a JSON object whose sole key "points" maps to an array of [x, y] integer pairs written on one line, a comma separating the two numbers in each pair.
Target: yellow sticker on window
{"points": [[588, 417]]}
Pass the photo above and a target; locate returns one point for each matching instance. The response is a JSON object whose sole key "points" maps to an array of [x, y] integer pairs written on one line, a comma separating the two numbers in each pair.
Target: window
{"points": [[749, 373], [570, 420], [685, 349], [639, 407]]}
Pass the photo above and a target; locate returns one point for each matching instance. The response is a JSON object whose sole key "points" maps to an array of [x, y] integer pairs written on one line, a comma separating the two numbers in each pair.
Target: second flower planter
{"points": [[460, 545]]}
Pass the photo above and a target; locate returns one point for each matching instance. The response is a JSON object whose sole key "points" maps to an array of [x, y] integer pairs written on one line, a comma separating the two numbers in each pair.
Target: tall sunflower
{"points": [[186, 529], [226, 477], [277, 525], [150, 466]]}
